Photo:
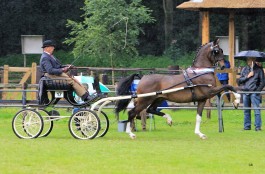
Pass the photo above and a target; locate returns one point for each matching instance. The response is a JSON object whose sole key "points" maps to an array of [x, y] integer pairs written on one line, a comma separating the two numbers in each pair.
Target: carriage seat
{"points": [[56, 84], [47, 84]]}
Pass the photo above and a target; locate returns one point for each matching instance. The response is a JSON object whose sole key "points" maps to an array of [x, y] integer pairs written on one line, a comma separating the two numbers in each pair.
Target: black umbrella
{"points": [[243, 55]]}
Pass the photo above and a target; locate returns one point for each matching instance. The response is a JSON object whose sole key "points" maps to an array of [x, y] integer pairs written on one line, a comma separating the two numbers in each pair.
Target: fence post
{"points": [[5, 81], [24, 94], [33, 78], [220, 117]]}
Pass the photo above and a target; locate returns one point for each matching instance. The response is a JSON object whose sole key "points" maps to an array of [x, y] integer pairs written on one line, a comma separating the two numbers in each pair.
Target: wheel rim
{"points": [[47, 123], [84, 124], [27, 124], [104, 124]]}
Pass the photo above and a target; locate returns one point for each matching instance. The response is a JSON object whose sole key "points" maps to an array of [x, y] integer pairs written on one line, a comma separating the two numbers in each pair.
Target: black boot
{"points": [[87, 98]]}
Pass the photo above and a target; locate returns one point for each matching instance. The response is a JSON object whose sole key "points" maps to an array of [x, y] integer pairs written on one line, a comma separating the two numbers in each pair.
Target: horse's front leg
{"points": [[234, 91], [199, 119], [237, 99]]}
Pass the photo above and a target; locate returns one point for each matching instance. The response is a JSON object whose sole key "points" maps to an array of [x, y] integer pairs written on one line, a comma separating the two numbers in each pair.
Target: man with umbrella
{"points": [[252, 80]]}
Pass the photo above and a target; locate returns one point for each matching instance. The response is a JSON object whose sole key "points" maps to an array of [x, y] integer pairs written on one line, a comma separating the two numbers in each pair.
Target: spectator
{"points": [[223, 77], [252, 80], [143, 116]]}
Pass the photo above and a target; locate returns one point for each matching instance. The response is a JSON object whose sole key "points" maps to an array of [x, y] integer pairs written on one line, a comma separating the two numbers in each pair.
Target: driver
{"points": [[51, 67]]}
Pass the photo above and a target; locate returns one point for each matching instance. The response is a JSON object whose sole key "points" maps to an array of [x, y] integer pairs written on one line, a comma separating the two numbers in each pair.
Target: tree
{"points": [[35, 17], [110, 28], [168, 22]]}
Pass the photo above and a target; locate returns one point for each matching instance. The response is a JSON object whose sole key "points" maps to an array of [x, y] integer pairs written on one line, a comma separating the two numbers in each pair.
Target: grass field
{"points": [[167, 149]]}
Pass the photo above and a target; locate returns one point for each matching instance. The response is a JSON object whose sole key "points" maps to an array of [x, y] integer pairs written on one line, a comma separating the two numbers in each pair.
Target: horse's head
{"points": [[208, 54], [216, 51]]}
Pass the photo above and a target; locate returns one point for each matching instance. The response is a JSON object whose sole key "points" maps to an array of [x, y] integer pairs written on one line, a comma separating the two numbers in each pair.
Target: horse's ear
{"points": [[216, 41]]}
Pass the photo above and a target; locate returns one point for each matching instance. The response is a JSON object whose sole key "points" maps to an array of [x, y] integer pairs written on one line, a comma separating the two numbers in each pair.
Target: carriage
{"points": [[36, 121], [196, 84]]}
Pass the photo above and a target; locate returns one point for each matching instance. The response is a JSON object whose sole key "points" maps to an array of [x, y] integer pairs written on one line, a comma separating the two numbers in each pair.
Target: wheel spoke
{"points": [[84, 124], [27, 124]]}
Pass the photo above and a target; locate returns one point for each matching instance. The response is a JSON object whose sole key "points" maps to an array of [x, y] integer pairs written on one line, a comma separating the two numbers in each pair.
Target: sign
{"points": [[224, 44], [59, 94], [31, 44]]}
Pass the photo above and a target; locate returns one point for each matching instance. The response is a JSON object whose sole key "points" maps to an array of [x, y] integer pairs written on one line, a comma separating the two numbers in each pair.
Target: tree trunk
{"points": [[262, 25], [244, 33], [168, 23]]}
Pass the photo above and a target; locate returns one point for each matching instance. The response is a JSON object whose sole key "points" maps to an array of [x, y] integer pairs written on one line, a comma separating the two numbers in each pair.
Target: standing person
{"points": [[223, 77], [252, 79], [51, 67]]}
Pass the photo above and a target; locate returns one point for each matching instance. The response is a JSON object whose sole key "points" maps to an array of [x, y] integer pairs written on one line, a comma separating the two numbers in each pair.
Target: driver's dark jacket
{"points": [[50, 65], [254, 83]]}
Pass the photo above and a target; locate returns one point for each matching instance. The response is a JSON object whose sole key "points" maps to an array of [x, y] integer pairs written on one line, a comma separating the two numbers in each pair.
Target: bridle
{"points": [[215, 51]]}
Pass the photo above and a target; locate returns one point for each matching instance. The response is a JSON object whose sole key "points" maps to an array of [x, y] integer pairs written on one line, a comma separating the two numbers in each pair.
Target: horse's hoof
{"points": [[132, 136], [235, 105], [203, 137], [170, 123]]}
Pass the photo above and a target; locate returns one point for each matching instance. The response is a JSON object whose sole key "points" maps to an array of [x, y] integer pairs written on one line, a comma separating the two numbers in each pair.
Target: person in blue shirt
{"points": [[223, 77]]}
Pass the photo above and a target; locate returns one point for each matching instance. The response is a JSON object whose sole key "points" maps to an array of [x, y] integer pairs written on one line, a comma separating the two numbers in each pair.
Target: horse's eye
{"points": [[216, 51]]}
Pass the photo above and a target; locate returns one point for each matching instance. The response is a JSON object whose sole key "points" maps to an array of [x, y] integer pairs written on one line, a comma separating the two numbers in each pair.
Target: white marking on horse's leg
{"points": [[169, 119], [237, 99], [129, 131], [197, 127]]}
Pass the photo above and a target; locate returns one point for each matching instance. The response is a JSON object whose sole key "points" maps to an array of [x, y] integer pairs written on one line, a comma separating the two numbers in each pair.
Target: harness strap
{"points": [[189, 83], [197, 75]]}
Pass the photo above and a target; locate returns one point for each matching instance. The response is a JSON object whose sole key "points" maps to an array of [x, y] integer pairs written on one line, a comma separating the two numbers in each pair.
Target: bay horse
{"points": [[198, 82]]}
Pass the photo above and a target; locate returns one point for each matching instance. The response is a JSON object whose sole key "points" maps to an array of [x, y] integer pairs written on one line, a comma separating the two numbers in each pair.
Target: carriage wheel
{"points": [[47, 123], [27, 124], [104, 124], [84, 124]]}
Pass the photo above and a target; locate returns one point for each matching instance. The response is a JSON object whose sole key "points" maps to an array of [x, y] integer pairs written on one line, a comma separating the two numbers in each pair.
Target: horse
{"points": [[197, 84]]}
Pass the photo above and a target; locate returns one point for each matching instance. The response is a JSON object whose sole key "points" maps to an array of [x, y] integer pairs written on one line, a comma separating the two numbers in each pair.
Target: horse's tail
{"points": [[123, 88]]}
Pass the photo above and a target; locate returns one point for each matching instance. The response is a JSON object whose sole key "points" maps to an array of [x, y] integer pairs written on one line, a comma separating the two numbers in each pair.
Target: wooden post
{"points": [[231, 43], [206, 39], [33, 73], [33, 79], [5, 81], [205, 27]]}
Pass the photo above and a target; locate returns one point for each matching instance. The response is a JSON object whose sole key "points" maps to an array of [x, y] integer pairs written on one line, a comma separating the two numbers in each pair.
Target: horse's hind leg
{"points": [[199, 119], [152, 109]]}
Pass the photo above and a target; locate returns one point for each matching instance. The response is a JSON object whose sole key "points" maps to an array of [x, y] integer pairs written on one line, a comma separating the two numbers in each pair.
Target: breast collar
{"points": [[200, 70]]}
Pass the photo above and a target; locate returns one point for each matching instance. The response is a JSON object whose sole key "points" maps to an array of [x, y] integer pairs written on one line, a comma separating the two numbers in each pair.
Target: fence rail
{"points": [[63, 104]]}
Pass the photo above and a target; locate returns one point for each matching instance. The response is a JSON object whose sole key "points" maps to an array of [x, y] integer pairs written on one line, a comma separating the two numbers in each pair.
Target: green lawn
{"points": [[167, 149]]}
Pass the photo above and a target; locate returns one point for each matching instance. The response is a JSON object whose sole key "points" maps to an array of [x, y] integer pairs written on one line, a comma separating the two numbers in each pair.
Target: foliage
{"points": [[110, 29], [149, 61], [35, 17], [174, 52]]}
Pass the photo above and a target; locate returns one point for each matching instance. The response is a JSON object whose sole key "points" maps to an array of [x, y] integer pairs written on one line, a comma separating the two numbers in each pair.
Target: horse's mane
{"points": [[197, 52]]}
